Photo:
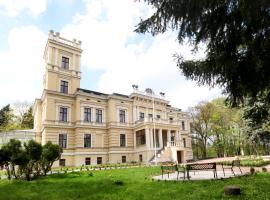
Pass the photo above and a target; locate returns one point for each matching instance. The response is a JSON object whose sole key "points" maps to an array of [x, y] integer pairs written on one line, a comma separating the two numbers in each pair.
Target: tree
{"points": [[50, 153], [13, 150], [33, 152], [28, 119], [236, 34], [5, 117], [201, 125]]}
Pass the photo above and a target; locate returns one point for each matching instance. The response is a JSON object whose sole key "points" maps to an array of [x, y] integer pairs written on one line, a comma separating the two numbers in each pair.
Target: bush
{"points": [[119, 182], [252, 170], [264, 169]]}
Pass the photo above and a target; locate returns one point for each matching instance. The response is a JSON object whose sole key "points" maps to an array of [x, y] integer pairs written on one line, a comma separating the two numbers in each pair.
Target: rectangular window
{"points": [[183, 125], [150, 115], [87, 114], [65, 62], [99, 116], [124, 159], [64, 87], [141, 115], [122, 116], [63, 114], [122, 140], [171, 120], [184, 142], [158, 116], [87, 161], [63, 140], [99, 160], [140, 158], [140, 137], [62, 162], [87, 140]]}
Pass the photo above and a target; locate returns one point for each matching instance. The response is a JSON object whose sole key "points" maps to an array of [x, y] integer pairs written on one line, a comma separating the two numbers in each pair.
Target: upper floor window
{"points": [[184, 142], [122, 116], [150, 115], [63, 114], [183, 125], [63, 140], [171, 119], [122, 140], [98, 115], [87, 140], [158, 116], [65, 62], [87, 114], [64, 87], [141, 115]]}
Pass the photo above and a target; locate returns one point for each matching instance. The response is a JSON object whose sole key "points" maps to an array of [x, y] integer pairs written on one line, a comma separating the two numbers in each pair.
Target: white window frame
{"points": [[59, 140], [120, 139], [91, 143]]}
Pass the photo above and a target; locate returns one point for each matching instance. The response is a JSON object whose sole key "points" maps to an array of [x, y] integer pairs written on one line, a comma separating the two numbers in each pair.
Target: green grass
{"points": [[133, 183], [255, 162]]}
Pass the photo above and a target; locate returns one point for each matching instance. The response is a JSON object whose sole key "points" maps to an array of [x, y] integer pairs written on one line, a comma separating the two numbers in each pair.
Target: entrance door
{"points": [[164, 138], [179, 156]]}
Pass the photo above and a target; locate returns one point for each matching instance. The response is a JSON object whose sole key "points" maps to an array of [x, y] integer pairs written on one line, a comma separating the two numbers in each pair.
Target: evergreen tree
{"points": [[236, 34], [28, 119], [5, 117]]}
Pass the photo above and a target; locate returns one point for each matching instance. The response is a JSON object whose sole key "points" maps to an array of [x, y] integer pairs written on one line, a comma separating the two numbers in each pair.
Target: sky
{"points": [[114, 56]]}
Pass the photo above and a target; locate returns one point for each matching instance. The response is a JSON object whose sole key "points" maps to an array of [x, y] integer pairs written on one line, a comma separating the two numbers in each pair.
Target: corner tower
{"points": [[63, 60]]}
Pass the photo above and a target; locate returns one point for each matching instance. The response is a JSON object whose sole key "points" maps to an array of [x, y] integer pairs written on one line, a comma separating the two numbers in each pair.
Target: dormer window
{"points": [[65, 62]]}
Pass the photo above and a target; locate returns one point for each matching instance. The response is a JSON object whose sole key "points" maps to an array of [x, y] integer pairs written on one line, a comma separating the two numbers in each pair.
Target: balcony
{"points": [[90, 123], [158, 121]]}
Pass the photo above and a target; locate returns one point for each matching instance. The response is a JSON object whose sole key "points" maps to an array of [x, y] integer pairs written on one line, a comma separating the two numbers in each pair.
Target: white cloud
{"points": [[109, 43], [14, 7], [22, 66]]}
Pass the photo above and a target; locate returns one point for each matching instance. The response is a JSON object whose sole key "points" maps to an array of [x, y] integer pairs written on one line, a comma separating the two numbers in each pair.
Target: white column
{"points": [[151, 138], [147, 138], [160, 138], [169, 136], [134, 142]]}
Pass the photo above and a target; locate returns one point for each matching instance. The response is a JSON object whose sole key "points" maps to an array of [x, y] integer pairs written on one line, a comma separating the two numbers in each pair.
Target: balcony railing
{"points": [[158, 120]]}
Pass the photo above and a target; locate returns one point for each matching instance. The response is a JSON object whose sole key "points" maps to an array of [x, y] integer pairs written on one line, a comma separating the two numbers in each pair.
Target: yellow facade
{"points": [[106, 128]]}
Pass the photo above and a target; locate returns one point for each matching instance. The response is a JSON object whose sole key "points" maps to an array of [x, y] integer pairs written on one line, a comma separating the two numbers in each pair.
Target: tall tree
{"points": [[236, 34], [201, 125], [28, 119]]}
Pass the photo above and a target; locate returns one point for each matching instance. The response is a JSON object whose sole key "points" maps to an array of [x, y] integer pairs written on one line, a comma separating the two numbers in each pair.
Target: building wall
{"points": [[105, 136]]}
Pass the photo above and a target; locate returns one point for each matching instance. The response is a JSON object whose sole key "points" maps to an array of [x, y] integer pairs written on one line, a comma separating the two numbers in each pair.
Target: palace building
{"points": [[95, 128]]}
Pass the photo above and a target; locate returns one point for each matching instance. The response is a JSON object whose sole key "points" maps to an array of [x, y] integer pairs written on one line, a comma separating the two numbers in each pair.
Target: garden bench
{"points": [[171, 168], [201, 167], [235, 163]]}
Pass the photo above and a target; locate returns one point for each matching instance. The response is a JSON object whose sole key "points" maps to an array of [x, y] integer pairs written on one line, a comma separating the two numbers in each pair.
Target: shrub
{"points": [[119, 182], [252, 170], [264, 169]]}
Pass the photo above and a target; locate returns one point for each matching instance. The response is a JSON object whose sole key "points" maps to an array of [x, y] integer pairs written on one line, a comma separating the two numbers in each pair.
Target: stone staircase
{"points": [[163, 155]]}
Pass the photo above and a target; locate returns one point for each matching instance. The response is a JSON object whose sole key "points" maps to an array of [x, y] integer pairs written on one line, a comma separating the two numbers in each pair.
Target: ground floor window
{"points": [[140, 158], [62, 162], [124, 159], [99, 160], [140, 137], [87, 161]]}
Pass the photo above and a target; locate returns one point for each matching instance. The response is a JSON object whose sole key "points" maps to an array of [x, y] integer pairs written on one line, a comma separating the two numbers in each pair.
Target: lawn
{"points": [[137, 184]]}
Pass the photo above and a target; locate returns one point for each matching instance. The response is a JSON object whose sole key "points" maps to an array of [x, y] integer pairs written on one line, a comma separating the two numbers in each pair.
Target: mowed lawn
{"points": [[137, 184]]}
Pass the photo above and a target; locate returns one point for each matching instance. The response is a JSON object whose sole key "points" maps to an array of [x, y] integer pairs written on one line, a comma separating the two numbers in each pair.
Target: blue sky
{"points": [[114, 57]]}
